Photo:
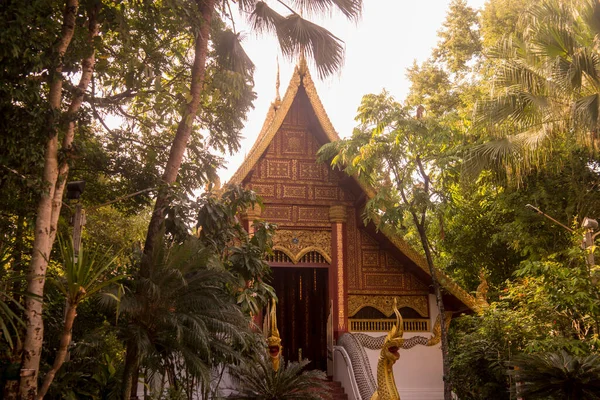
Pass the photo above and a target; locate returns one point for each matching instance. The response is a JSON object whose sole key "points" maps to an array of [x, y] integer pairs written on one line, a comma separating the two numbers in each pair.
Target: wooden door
{"points": [[302, 313]]}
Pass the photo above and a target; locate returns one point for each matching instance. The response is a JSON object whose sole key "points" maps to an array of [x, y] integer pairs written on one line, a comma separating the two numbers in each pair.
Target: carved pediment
{"points": [[296, 243], [385, 304]]}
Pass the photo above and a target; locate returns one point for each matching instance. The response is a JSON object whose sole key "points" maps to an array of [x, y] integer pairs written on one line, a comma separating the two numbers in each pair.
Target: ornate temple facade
{"points": [[328, 264]]}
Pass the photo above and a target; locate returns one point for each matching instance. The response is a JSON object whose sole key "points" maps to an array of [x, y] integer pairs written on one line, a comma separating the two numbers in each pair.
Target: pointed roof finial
{"points": [[302, 67], [277, 96]]}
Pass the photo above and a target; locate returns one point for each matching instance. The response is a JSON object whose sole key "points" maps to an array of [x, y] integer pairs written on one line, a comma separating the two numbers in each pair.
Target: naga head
{"points": [[274, 340], [394, 341]]}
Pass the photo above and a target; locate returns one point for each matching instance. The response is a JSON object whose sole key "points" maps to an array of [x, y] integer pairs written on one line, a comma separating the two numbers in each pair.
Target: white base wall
{"points": [[418, 372]]}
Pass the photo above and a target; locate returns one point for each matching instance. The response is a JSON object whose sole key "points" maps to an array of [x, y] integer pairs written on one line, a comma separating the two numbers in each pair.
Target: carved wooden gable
{"points": [[298, 193], [297, 190]]}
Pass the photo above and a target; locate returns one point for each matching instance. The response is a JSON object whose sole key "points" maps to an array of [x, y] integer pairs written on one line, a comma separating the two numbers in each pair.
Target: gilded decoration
{"points": [[253, 213], [384, 304], [389, 354], [303, 216], [340, 272], [296, 243], [437, 329], [337, 213], [273, 340], [351, 251], [481, 294]]}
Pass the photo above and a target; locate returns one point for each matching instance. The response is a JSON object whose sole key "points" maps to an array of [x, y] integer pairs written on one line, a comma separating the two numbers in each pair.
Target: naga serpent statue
{"points": [[274, 340], [386, 385]]}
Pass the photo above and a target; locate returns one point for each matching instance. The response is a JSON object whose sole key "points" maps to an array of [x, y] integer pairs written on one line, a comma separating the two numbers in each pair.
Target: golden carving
{"points": [[384, 304], [444, 280], [313, 214], [273, 123], [274, 340], [252, 213], [340, 273], [296, 243], [481, 294], [337, 213], [386, 384], [437, 329]]}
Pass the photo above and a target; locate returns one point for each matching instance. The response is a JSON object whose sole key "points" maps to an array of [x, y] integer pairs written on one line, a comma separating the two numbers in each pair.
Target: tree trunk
{"points": [[129, 389], [61, 354], [440, 303], [178, 147], [184, 129], [43, 234]]}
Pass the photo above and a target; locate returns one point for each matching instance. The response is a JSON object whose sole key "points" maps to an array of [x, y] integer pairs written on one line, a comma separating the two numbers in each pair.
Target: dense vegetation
{"points": [[138, 99], [499, 128]]}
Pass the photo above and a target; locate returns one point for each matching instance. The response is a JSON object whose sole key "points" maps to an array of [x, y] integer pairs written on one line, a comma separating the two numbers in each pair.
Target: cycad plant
{"points": [[9, 319], [559, 376], [83, 275], [256, 379], [182, 318], [546, 87]]}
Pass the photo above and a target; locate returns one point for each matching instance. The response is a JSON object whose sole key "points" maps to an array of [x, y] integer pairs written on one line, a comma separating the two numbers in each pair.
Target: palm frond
{"points": [[265, 19], [297, 36], [231, 54], [352, 9]]}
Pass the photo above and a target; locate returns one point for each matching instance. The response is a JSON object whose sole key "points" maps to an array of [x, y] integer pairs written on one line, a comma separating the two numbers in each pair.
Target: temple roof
{"points": [[275, 117]]}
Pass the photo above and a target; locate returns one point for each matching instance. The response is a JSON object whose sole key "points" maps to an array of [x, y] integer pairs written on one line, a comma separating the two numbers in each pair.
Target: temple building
{"points": [[332, 273]]}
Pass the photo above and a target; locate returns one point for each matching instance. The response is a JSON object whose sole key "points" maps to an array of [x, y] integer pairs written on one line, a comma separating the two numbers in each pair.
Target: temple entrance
{"points": [[302, 313]]}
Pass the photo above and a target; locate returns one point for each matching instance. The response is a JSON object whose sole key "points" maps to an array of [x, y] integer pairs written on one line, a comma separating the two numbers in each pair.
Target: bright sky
{"points": [[379, 48]]}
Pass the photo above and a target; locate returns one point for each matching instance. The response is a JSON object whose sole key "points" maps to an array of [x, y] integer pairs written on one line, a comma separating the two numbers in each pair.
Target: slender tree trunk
{"points": [[129, 389], [184, 129], [87, 71], [61, 354], [178, 147], [440, 304], [43, 234], [11, 388]]}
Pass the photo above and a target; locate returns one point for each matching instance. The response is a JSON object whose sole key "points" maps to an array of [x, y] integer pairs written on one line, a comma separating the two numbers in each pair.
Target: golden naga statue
{"points": [[386, 385], [437, 329], [482, 289], [274, 340]]}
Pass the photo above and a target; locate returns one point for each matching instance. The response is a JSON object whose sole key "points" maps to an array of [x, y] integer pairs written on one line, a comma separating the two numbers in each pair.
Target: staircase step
{"points": [[336, 390]]}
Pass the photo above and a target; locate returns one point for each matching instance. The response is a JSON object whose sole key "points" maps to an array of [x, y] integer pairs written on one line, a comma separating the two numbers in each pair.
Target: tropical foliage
{"points": [[141, 99], [557, 376], [545, 86], [256, 379]]}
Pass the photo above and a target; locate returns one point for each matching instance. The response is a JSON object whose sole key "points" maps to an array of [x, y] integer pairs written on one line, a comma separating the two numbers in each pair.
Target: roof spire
{"points": [[277, 96], [302, 67]]}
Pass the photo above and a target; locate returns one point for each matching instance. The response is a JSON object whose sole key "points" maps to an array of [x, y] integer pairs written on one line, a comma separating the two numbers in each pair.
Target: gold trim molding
{"points": [[385, 304], [337, 213], [296, 243], [275, 117]]}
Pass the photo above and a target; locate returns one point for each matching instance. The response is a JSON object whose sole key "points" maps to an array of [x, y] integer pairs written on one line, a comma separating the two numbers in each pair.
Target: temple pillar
{"points": [[337, 269], [249, 216]]}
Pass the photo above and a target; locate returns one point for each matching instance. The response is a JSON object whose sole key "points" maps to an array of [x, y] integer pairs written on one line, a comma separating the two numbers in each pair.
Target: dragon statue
{"points": [[274, 340], [482, 290], [386, 385]]}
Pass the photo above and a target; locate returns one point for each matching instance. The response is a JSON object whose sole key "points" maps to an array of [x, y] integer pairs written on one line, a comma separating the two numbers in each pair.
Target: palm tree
{"points": [[256, 379], [296, 35], [83, 277], [182, 318], [557, 376], [546, 87]]}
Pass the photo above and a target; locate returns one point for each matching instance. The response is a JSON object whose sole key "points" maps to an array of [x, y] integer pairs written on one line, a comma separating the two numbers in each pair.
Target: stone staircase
{"points": [[336, 390]]}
